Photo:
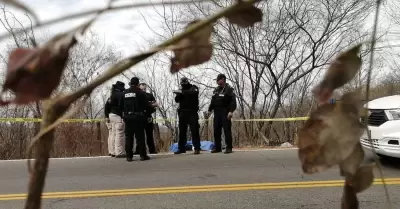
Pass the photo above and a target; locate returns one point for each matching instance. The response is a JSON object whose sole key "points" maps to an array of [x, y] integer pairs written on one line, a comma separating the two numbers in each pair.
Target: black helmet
{"points": [[134, 81], [184, 81]]}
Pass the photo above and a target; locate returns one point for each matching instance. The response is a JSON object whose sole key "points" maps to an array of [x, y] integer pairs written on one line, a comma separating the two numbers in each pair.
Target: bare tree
{"points": [[273, 64], [86, 62]]}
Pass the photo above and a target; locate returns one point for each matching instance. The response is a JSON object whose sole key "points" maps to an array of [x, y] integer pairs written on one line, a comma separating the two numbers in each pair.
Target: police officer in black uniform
{"points": [[149, 128], [135, 106], [188, 99], [223, 103]]}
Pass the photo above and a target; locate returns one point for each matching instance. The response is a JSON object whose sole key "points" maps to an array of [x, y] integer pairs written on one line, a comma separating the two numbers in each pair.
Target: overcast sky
{"points": [[117, 28], [123, 29]]}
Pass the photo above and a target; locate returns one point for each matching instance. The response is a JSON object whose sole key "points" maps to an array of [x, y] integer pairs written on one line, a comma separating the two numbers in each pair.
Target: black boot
{"points": [[120, 156], [143, 158], [129, 159], [228, 150], [196, 152], [179, 152], [216, 150]]}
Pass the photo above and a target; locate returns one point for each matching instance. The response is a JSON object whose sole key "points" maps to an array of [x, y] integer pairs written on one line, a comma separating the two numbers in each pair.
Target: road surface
{"points": [[253, 179]]}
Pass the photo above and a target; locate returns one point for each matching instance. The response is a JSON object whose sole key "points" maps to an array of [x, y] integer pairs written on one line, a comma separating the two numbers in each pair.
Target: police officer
{"points": [[223, 103], [113, 115], [188, 99], [149, 125], [135, 106]]}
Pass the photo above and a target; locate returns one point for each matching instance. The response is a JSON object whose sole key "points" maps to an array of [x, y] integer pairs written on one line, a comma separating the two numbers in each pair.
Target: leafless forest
{"points": [[271, 66]]}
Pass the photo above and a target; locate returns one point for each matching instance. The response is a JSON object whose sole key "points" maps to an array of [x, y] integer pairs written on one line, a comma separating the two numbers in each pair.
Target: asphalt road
{"points": [[254, 179]]}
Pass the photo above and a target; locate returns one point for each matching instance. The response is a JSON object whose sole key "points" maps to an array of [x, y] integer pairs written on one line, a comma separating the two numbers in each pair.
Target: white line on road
{"points": [[169, 153]]}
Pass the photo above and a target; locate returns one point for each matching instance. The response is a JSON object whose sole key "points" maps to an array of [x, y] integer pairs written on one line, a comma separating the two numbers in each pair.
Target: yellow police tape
{"points": [[157, 120]]}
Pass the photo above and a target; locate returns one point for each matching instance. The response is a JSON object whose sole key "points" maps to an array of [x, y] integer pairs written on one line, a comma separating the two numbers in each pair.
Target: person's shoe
{"points": [[112, 155], [120, 156], [179, 152], [129, 159], [143, 158], [228, 150], [216, 151], [109, 154], [196, 152], [153, 153]]}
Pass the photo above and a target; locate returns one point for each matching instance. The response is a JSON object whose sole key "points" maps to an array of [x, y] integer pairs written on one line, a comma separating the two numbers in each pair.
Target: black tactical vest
{"points": [[130, 103]]}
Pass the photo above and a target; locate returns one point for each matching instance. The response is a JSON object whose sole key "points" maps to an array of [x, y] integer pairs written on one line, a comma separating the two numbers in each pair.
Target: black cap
{"points": [[118, 85], [184, 80], [221, 76], [134, 81]]}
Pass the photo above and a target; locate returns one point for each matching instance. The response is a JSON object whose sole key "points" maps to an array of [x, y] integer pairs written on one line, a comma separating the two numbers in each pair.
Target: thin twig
{"points": [[371, 63], [52, 126], [102, 10]]}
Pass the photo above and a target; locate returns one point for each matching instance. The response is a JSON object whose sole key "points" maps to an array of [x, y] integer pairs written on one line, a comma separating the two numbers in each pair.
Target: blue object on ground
{"points": [[207, 145], [204, 146]]}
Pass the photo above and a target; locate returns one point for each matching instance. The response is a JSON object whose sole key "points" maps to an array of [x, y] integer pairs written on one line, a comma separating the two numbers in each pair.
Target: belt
{"points": [[135, 113], [188, 109]]}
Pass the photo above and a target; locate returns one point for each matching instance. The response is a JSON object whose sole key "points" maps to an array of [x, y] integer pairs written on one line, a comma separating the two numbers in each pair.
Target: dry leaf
{"points": [[192, 50], [33, 74], [246, 15], [330, 135], [351, 164], [341, 71], [21, 6], [363, 178]]}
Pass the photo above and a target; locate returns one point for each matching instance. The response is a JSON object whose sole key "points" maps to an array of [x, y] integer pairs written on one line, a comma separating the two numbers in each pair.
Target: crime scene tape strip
{"points": [[157, 120]]}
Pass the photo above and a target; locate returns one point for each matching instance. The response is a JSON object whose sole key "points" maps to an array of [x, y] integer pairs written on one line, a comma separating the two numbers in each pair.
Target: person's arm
{"points": [[194, 90], [146, 103], [121, 103], [178, 98], [107, 109], [153, 101], [233, 104], [211, 106]]}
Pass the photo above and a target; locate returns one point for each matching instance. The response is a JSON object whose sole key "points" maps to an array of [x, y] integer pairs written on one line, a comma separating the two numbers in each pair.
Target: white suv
{"points": [[384, 125]]}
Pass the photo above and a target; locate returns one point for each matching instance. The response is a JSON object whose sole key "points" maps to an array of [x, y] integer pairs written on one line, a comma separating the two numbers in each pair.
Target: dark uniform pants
{"points": [[190, 118], [149, 127], [134, 128], [221, 121]]}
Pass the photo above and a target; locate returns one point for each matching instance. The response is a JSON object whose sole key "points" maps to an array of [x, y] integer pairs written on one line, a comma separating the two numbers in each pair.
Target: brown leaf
{"points": [[33, 74], [341, 71], [192, 50], [349, 198], [363, 178], [351, 164], [246, 15], [310, 149], [19, 5], [329, 136]]}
